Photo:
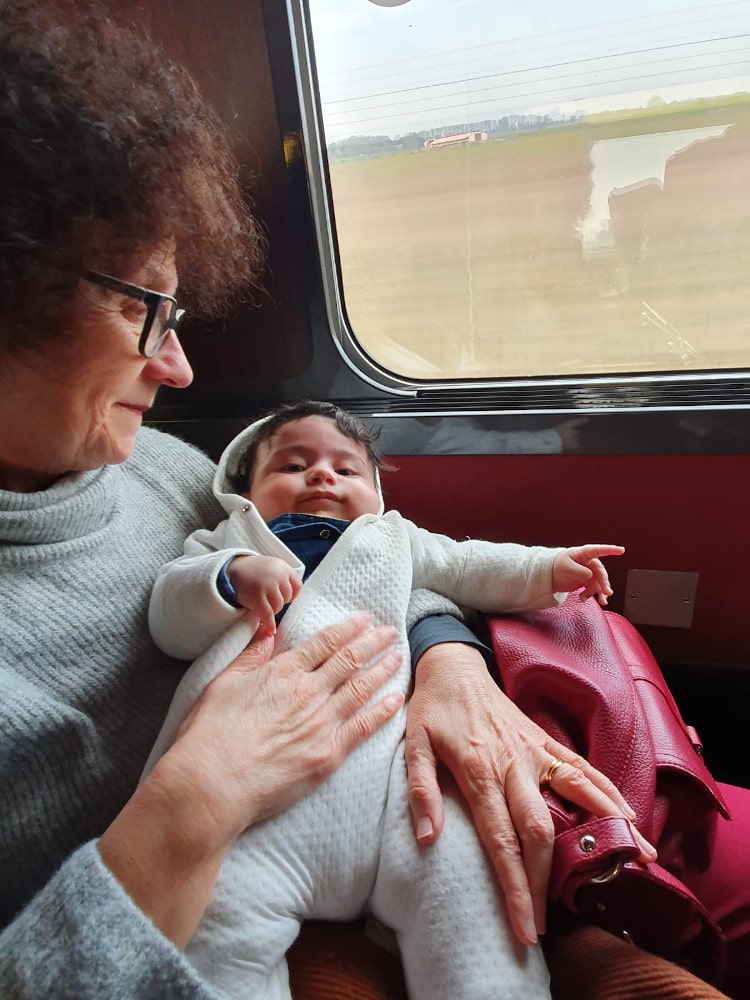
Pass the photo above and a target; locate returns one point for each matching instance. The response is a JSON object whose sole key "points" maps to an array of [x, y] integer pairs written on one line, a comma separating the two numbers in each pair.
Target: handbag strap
{"points": [[656, 911], [595, 850]]}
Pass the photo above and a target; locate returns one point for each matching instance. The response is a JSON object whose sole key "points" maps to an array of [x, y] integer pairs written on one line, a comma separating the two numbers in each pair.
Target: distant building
{"points": [[456, 140]]}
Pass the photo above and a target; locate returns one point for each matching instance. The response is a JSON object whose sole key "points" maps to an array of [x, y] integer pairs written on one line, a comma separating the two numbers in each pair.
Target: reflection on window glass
{"points": [[541, 188]]}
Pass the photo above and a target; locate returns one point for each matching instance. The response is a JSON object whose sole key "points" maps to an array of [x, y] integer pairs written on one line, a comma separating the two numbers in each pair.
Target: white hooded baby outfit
{"points": [[348, 847]]}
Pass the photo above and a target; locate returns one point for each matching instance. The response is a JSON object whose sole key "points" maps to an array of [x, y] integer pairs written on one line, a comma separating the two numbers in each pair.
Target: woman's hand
{"points": [[460, 718], [264, 733]]}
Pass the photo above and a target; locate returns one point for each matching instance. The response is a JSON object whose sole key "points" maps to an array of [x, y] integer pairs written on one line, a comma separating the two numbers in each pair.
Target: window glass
{"points": [[540, 188]]}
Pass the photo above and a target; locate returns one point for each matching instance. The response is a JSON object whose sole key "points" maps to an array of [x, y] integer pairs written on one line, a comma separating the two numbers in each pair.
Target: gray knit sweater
{"points": [[83, 692]]}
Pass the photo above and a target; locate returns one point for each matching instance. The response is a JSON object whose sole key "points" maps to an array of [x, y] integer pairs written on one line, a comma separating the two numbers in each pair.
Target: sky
{"points": [[436, 62]]}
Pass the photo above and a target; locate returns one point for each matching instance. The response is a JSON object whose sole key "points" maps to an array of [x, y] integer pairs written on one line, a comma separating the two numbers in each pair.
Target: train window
{"points": [[536, 190]]}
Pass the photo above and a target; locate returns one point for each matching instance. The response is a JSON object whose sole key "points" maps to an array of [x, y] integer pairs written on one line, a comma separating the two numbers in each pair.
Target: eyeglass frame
{"points": [[151, 299]]}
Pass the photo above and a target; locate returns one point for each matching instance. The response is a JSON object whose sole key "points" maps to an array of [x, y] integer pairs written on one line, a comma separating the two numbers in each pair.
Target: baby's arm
{"points": [[188, 611], [582, 567], [504, 576], [487, 576], [263, 585]]}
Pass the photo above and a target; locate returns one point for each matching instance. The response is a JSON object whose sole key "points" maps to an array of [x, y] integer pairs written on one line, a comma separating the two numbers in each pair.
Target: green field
{"points": [[467, 261]]}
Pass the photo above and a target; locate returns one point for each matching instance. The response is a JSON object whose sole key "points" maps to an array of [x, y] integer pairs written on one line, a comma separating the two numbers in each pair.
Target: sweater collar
{"points": [[76, 505]]}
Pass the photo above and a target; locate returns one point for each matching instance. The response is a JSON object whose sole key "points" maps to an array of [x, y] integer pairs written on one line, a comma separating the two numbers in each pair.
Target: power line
{"points": [[517, 99], [650, 50], [538, 37], [548, 80]]}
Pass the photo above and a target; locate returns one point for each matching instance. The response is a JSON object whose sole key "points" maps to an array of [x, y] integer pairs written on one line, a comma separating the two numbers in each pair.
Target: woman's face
{"points": [[77, 403]]}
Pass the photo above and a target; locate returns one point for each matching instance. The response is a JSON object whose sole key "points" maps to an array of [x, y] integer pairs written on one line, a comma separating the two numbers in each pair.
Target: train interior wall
{"points": [[671, 512]]}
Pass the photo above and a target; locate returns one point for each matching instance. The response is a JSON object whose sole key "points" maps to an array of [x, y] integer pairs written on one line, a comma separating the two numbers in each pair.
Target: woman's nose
{"points": [[170, 366]]}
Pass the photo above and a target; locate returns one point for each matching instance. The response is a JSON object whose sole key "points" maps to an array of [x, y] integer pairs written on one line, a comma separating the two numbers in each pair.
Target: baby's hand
{"points": [[264, 584], [582, 567]]}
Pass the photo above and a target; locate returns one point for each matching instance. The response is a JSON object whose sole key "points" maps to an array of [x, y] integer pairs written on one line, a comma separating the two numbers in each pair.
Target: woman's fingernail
{"points": [[530, 929], [393, 701], [644, 844], [650, 847], [424, 828]]}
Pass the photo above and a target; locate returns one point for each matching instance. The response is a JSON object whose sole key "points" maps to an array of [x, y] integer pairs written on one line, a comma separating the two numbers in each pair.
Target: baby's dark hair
{"points": [[347, 423]]}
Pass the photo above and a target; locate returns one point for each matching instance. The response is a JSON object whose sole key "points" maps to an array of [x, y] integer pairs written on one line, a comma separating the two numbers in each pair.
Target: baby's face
{"points": [[310, 467]]}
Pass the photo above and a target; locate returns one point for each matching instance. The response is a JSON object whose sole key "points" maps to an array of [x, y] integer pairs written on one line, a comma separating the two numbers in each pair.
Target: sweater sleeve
{"points": [[486, 576], [439, 628], [82, 936], [187, 614]]}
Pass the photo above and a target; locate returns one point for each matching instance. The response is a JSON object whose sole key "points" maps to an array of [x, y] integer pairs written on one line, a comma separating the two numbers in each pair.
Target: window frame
{"points": [[673, 390]]}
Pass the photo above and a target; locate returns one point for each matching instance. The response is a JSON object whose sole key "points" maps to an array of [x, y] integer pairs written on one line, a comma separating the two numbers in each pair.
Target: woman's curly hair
{"points": [[107, 149]]}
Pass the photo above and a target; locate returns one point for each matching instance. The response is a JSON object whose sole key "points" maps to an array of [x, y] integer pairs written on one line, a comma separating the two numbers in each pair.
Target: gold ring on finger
{"points": [[552, 770]]}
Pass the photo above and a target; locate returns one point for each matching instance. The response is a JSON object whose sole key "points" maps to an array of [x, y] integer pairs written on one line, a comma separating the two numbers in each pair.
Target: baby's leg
{"points": [[447, 910], [318, 860], [240, 944]]}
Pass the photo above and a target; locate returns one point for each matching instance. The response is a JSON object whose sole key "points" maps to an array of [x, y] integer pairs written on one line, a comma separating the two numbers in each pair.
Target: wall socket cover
{"points": [[660, 597]]}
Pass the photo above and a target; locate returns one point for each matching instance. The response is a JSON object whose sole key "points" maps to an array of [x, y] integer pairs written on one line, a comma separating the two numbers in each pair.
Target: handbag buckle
{"points": [[610, 874]]}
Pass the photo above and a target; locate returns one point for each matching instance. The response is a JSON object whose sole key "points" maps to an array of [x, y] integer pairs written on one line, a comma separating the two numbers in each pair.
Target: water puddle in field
{"points": [[627, 163]]}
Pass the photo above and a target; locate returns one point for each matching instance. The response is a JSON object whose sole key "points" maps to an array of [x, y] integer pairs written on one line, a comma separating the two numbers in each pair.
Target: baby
{"points": [[293, 484]]}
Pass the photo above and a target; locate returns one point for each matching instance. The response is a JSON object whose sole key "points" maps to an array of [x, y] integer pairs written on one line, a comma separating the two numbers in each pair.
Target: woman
{"points": [[112, 166], [116, 179]]}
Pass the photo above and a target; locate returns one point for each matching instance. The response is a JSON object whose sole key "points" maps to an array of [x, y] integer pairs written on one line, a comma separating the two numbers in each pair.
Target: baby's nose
{"points": [[321, 473]]}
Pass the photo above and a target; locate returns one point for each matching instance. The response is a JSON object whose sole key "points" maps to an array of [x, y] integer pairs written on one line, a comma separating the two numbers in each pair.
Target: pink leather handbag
{"points": [[586, 676]]}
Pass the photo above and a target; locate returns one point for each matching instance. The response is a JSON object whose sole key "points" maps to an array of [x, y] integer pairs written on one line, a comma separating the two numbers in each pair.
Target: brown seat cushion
{"points": [[337, 962]]}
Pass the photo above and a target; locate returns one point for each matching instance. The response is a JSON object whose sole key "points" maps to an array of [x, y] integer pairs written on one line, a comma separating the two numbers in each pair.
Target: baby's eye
{"points": [[292, 467], [346, 472]]}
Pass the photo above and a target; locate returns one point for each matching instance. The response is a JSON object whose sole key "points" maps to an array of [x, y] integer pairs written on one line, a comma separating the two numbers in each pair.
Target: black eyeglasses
{"points": [[162, 314]]}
